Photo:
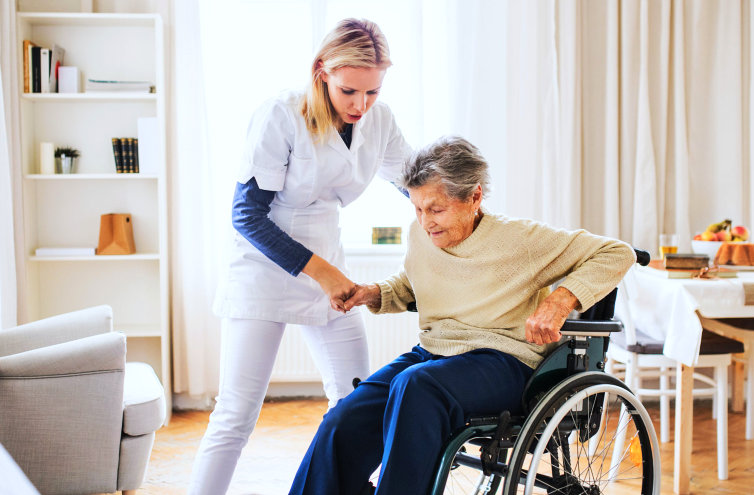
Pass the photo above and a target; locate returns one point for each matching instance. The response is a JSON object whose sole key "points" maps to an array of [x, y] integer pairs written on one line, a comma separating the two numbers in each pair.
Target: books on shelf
{"points": [[125, 155], [56, 61], [40, 65], [65, 251], [94, 85]]}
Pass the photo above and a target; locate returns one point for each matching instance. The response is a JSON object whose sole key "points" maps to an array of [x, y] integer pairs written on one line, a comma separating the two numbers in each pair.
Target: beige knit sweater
{"points": [[479, 293]]}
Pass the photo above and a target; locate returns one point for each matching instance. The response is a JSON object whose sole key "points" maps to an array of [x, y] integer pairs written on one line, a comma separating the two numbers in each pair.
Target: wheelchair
{"points": [[570, 438]]}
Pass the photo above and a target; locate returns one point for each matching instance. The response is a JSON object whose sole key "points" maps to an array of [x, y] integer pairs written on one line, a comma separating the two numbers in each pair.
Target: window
{"points": [[254, 49]]}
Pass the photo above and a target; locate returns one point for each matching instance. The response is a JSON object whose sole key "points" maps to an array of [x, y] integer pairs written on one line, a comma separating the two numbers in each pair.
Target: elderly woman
{"points": [[481, 283]]}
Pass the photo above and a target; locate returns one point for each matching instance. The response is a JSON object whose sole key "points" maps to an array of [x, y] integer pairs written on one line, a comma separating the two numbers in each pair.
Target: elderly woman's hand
{"points": [[368, 294], [543, 327]]}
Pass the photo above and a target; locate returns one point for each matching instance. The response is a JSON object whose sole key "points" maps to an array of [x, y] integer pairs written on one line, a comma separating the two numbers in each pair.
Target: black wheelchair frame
{"points": [[562, 444]]}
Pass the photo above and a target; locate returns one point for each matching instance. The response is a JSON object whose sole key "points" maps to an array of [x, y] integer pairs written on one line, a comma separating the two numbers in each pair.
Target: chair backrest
{"points": [[626, 292]]}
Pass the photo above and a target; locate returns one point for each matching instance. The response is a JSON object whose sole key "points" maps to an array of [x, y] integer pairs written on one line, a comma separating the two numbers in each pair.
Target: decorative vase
{"points": [[66, 164]]}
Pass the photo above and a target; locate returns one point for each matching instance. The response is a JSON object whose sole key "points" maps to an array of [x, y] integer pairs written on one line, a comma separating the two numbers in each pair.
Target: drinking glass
{"points": [[668, 244]]}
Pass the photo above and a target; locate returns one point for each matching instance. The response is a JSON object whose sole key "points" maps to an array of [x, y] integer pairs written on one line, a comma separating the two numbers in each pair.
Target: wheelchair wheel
{"points": [[460, 468], [567, 444], [467, 479]]}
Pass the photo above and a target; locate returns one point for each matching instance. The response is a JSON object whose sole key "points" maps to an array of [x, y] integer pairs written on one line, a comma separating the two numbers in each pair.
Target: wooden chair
{"points": [[741, 329], [643, 358]]}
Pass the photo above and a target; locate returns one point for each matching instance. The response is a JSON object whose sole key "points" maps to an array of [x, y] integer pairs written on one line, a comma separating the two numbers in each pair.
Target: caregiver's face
{"points": [[353, 91]]}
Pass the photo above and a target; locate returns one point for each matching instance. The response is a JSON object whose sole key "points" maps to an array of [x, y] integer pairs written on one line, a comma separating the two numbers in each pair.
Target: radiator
{"points": [[387, 335]]}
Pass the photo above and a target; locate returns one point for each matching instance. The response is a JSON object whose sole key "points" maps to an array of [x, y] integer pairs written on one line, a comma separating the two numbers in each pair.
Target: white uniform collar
{"points": [[357, 139]]}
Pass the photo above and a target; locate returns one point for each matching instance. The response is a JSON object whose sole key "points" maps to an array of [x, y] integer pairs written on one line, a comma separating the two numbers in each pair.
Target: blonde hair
{"points": [[353, 43]]}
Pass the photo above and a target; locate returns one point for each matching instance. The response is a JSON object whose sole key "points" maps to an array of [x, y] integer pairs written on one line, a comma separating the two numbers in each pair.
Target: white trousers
{"points": [[247, 355]]}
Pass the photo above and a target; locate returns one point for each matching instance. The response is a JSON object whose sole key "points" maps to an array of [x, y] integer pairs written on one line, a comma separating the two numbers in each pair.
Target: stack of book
{"points": [[93, 85], [41, 67], [126, 154]]}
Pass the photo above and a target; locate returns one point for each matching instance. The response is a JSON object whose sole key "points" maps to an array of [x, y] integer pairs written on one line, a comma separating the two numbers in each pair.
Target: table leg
{"points": [[684, 414], [750, 391], [737, 387]]}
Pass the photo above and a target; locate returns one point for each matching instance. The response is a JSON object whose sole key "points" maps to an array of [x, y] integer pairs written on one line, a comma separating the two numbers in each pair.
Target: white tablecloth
{"points": [[665, 309]]}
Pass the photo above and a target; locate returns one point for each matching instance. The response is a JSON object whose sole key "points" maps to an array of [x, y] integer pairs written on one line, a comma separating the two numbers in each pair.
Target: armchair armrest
{"points": [[56, 330], [98, 353]]}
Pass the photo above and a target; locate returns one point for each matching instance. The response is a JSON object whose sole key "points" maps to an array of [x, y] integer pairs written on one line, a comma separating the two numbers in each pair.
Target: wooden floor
{"points": [[269, 461]]}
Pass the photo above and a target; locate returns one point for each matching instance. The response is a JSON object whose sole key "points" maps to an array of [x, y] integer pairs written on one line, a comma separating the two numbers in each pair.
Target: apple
{"points": [[698, 237], [724, 236], [741, 232], [709, 236]]}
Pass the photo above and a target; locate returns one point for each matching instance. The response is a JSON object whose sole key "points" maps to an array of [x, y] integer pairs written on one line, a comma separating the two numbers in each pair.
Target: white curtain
{"points": [[10, 198], [194, 247], [629, 118]]}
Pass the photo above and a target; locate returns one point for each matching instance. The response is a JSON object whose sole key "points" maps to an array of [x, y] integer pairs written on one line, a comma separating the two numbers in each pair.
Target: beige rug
{"points": [[267, 464]]}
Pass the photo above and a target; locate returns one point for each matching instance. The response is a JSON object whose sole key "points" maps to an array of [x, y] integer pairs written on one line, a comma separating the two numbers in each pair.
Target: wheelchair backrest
{"points": [[572, 355]]}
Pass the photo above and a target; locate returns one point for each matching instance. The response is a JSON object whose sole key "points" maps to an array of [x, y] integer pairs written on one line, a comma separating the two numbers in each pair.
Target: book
{"points": [[110, 85], [118, 154], [136, 155], [129, 153], [148, 149], [56, 60], [686, 261], [44, 70], [27, 45], [65, 251], [36, 84], [657, 268]]}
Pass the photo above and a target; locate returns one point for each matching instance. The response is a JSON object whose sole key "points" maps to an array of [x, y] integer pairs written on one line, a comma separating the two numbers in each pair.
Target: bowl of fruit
{"points": [[709, 241]]}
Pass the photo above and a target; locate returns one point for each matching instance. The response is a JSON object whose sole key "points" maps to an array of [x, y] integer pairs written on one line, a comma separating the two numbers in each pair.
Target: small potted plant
{"points": [[65, 158]]}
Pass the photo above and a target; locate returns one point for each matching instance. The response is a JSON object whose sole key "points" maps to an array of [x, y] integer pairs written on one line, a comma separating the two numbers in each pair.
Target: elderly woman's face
{"points": [[447, 221]]}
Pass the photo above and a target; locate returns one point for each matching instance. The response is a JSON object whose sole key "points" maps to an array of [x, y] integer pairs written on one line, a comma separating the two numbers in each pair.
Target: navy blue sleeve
{"points": [[251, 207], [403, 191]]}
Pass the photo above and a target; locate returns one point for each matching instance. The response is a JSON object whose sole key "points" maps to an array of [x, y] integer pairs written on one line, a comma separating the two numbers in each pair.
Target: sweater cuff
{"points": [[386, 298], [584, 295]]}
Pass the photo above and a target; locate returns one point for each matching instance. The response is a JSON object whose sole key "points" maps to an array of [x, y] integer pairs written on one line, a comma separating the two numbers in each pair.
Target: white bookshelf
{"points": [[64, 210]]}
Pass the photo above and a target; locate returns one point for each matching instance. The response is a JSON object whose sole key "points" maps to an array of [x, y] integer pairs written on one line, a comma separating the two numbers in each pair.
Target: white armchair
{"points": [[75, 417]]}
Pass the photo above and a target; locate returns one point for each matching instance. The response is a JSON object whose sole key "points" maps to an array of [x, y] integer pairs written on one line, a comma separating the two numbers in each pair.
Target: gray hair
{"points": [[451, 160]]}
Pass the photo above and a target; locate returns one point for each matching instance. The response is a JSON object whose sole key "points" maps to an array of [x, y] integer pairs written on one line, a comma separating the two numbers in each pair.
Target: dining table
{"points": [[672, 310]]}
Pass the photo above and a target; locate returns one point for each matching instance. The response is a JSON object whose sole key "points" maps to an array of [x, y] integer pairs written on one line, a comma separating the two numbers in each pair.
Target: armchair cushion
{"points": [[143, 400]]}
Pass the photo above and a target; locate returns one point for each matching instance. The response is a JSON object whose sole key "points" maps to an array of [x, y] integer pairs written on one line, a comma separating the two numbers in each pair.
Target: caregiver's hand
{"points": [[368, 294], [335, 285]]}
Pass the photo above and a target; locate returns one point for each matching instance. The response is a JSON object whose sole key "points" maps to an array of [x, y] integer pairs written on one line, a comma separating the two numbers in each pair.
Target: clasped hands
{"points": [[358, 295]]}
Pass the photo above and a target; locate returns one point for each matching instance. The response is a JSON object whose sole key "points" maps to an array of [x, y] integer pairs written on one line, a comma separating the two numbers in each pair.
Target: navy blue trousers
{"points": [[401, 416]]}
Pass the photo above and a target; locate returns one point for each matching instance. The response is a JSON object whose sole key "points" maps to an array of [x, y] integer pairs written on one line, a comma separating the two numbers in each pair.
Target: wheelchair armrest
{"points": [[591, 328]]}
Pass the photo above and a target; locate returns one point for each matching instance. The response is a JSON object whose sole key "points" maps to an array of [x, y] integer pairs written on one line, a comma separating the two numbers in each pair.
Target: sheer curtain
{"points": [[629, 118], [10, 198]]}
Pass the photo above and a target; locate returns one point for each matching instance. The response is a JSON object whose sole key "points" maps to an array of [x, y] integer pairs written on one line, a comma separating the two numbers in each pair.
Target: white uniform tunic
{"points": [[312, 180]]}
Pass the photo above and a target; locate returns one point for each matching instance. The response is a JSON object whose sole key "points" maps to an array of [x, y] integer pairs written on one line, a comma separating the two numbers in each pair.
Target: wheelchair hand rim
{"points": [[571, 403]]}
